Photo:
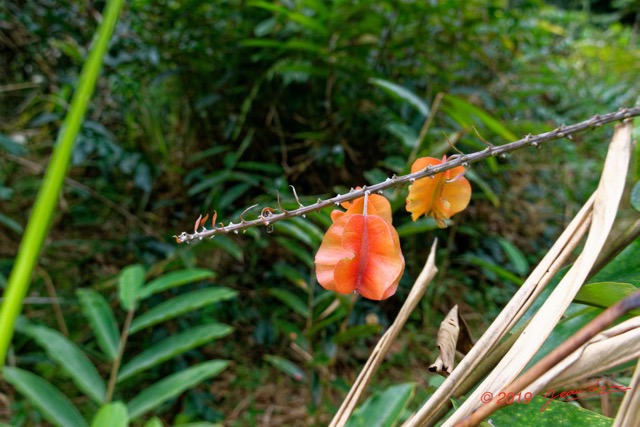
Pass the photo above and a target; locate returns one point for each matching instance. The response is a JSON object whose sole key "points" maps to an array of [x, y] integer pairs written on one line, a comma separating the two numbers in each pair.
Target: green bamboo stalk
{"points": [[47, 199]]}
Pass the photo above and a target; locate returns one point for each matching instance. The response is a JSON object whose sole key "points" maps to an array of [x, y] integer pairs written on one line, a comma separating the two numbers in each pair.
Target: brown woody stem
{"points": [[458, 160]]}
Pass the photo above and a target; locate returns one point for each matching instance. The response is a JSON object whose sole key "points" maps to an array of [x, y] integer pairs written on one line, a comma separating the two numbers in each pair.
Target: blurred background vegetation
{"points": [[208, 106]]}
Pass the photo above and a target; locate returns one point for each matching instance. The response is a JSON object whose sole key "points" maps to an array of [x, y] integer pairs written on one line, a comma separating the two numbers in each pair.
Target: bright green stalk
{"points": [[47, 199]]}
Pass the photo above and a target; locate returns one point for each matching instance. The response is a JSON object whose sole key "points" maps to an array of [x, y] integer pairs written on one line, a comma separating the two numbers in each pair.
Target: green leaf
{"points": [[229, 246], [564, 330], [484, 187], [297, 278], [200, 424], [356, 332], [384, 408], [604, 294], [174, 279], [154, 422], [286, 227], [556, 414], [47, 200], [463, 112], [635, 197], [129, 284], [53, 405], [72, 359], [291, 300], [295, 249], [286, 366], [101, 319], [493, 267], [515, 256], [172, 347], [404, 133], [624, 268], [172, 386], [312, 230], [417, 227], [402, 93], [181, 304], [305, 21], [111, 415], [11, 224]]}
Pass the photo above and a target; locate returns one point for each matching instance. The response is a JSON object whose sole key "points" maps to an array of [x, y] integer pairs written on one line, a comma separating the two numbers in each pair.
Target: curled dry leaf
{"points": [[441, 196], [453, 335], [361, 252]]}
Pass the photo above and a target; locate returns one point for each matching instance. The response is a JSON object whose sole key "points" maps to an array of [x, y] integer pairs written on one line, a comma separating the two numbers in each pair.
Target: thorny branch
{"points": [[267, 217]]}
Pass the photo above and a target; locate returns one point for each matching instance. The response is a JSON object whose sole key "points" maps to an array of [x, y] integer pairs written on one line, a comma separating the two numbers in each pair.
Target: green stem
{"points": [[116, 363], [47, 199]]}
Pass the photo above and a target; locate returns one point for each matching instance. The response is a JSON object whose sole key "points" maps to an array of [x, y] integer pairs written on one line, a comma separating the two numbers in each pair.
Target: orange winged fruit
{"points": [[441, 196], [360, 251]]}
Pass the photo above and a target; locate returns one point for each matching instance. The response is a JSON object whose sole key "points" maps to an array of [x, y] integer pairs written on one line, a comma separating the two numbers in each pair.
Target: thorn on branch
{"points": [[490, 146], [296, 196], [195, 226], [265, 214], [451, 145], [242, 221], [279, 205], [560, 131]]}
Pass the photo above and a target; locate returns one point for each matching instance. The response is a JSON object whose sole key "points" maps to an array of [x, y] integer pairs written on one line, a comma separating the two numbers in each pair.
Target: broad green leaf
{"points": [[172, 386], [101, 319], [305, 21], [181, 304], [286, 366], [624, 268], [72, 359], [384, 408], [174, 279], [229, 246], [403, 94], [154, 422], [233, 193], [291, 300], [556, 414], [11, 224], [515, 256], [463, 112], [604, 294], [53, 405], [129, 284], [417, 227], [222, 177], [635, 197], [294, 276], [404, 133], [286, 227], [296, 250], [564, 330], [200, 424], [111, 415], [356, 332], [313, 231], [173, 346], [291, 45], [493, 267], [484, 187]]}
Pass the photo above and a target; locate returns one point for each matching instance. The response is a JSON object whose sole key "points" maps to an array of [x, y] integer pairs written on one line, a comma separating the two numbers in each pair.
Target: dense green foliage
{"points": [[208, 106]]}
